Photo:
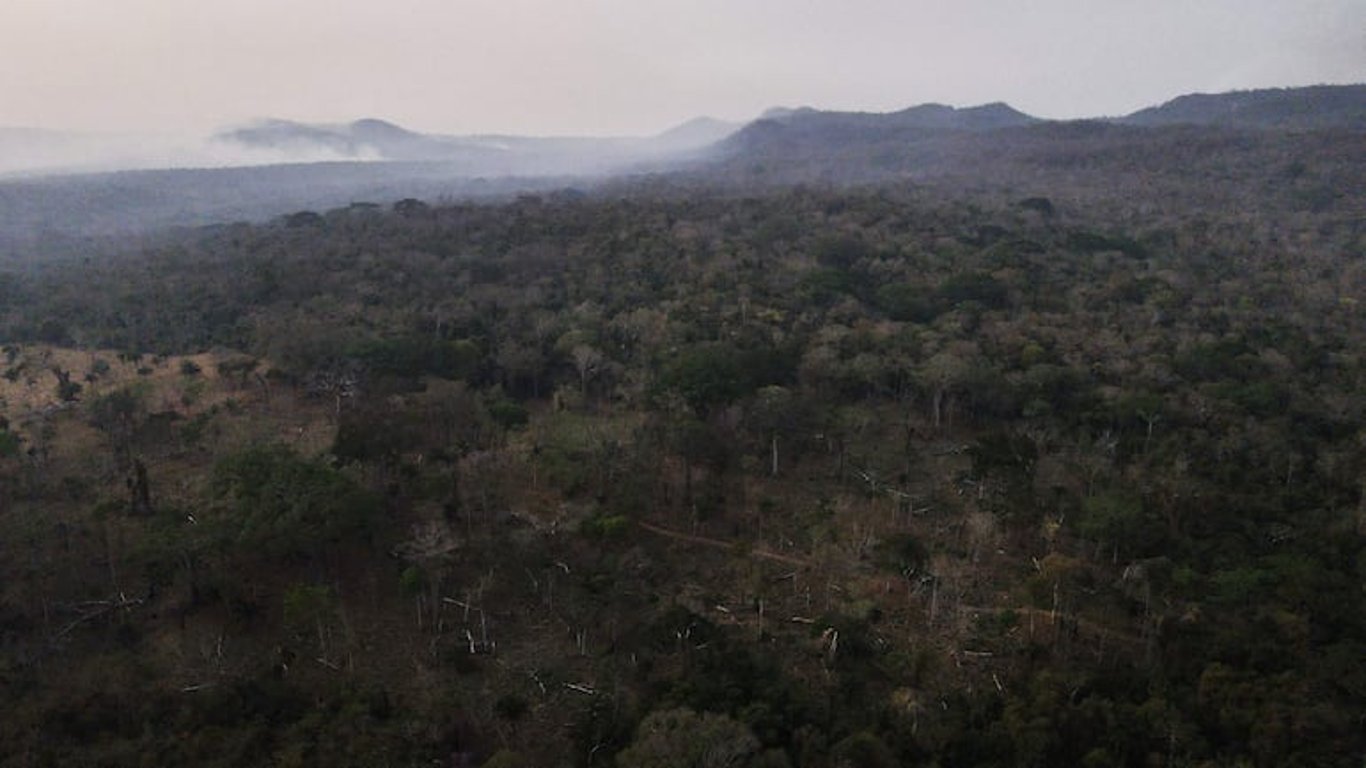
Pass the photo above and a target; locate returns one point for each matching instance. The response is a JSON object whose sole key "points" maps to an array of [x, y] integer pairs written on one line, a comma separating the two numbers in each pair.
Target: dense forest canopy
{"points": [[1055, 457]]}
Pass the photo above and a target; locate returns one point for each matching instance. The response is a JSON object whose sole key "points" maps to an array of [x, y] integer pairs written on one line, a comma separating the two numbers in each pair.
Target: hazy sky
{"points": [[639, 66]]}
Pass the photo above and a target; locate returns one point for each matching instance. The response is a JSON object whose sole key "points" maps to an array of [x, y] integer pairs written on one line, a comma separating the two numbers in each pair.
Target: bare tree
{"points": [[586, 362]]}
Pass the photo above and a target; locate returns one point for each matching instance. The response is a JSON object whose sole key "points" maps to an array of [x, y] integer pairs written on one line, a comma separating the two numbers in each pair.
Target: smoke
{"points": [[33, 152]]}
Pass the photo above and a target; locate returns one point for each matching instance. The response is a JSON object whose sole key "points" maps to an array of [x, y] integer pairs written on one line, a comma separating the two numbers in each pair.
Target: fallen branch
{"points": [[719, 544], [95, 609]]}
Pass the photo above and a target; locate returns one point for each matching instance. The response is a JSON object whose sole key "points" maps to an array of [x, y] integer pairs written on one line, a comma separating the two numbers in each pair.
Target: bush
{"points": [[508, 414], [901, 553], [9, 444], [974, 286], [605, 526], [862, 750], [907, 303], [68, 391], [682, 738]]}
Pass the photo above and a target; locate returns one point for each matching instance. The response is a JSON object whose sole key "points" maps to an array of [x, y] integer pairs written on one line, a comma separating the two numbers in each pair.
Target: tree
{"points": [[67, 390], [430, 551], [707, 376], [278, 503], [942, 373], [1119, 519], [862, 750], [586, 362], [308, 608], [9, 442], [116, 414], [774, 413], [682, 738]]}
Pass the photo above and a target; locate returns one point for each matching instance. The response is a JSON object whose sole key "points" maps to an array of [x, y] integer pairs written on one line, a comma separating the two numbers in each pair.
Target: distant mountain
{"points": [[925, 117], [696, 133], [1188, 138], [1165, 150], [984, 118], [846, 144], [367, 139], [924, 134], [1314, 107]]}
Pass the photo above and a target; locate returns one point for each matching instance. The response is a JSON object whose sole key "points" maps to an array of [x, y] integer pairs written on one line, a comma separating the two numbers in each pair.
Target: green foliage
{"points": [[237, 367], [1006, 457], [682, 738], [605, 526], [717, 374], [977, 287], [9, 444], [413, 580], [508, 414], [305, 605], [1040, 204], [194, 430], [862, 750], [1240, 586], [1119, 519], [118, 408], [1093, 242], [1218, 361], [280, 504], [1259, 398], [68, 391], [707, 376], [822, 286], [841, 252], [421, 356], [192, 391], [907, 302]]}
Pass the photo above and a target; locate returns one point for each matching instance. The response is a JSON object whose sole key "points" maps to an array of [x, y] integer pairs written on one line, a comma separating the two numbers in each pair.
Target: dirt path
{"points": [[763, 554]]}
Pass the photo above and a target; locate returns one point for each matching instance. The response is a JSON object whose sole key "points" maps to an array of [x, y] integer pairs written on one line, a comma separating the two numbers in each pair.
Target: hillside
{"points": [[906, 474], [946, 437]]}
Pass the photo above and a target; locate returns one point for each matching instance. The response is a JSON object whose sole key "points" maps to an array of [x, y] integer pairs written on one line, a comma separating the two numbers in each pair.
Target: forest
{"points": [[1060, 464]]}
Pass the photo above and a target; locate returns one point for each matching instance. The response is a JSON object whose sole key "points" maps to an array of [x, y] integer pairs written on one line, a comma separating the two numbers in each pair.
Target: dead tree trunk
{"points": [[139, 490]]}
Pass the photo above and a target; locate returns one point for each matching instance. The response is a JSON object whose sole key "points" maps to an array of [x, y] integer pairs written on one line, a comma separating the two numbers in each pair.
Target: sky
{"points": [[637, 67]]}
